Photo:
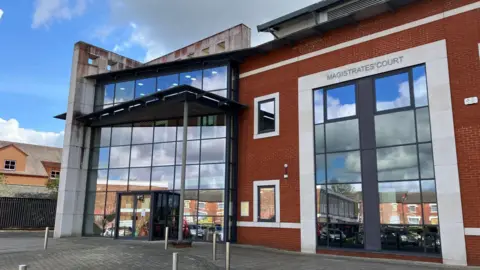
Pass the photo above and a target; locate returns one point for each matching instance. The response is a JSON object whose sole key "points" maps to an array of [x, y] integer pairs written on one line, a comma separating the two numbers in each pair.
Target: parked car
{"points": [[195, 230]]}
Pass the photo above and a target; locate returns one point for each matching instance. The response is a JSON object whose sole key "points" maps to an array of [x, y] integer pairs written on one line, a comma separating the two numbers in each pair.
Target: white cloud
{"points": [[10, 130], [1, 13], [46, 11], [160, 27]]}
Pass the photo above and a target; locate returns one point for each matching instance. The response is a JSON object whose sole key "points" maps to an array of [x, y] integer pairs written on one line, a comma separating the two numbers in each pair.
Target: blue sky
{"points": [[37, 38]]}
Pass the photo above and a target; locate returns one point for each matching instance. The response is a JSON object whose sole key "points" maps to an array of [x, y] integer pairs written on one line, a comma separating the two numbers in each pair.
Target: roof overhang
{"points": [[163, 105]]}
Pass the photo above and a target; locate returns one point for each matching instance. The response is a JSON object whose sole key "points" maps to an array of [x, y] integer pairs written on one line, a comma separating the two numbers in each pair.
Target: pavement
{"points": [[100, 253]]}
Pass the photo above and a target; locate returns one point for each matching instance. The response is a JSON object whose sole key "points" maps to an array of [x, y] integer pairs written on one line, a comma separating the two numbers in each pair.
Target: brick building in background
{"points": [[353, 132], [27, 168]]}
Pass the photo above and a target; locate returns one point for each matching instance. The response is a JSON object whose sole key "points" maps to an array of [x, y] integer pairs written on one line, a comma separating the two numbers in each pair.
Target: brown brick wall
{"points": [[473, 247], [288, 239], [263, 159]]}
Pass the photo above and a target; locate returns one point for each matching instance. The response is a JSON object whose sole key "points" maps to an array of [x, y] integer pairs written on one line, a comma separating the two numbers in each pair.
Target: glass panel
{"points": [[266, 204], [405, 238], [121, 135], [395, 128], [145, 87], [213, 151], [222, 93], [344, 167], [341, 102], [97, 180], [432, 239], [193, 152], [142, 133], [345, 235], [397, 163], [191, 177], [210, 225], [119, 157], [193, 129], [164, 154], [210, 202], [167, 81], [142, 216], [423, 125], [319, 139], [212, 176], [318, 106], [320, 171], [162, 178], [266, 116], [109, 90], [110, 214], [420, 86], [191, 203], [95, 203], [100, 157], [429, 198], [392, 92], [125, 224], [124, 91], [139, 179], [215, 78], [117, 180], [102, 136], [93, 225], [165, 131], [342, 136], [400, 203], [213, 126], [426, 161], [193, 78], [141, 155]]}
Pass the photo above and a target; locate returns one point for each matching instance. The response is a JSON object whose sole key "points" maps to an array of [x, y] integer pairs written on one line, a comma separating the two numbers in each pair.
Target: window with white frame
{"points": [[266, 201], [267, 116], [412, 208], [433, 208], [413, 220], [54, 174], [201, 205], [10, 165]]}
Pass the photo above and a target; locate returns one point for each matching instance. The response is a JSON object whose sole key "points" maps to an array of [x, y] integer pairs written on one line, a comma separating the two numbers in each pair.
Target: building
{"points": [[27, 168], [353, 132]]}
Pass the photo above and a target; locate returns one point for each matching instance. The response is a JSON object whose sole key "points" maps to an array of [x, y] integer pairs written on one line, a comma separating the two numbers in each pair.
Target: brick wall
{"points": [[288, 239], [263, 159]]}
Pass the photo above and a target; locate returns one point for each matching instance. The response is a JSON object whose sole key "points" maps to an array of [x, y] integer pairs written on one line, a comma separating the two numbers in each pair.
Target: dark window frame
{"points": [[259, 204], [260, 116], [10, 165]]}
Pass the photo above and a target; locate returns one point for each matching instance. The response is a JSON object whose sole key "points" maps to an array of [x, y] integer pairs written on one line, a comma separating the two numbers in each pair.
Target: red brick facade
{"points": [[264, 159]]}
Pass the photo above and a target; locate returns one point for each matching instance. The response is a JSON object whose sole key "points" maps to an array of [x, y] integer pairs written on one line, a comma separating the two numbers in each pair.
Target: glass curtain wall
{"points": [[211, 79], [147, 156], [404, 163]]}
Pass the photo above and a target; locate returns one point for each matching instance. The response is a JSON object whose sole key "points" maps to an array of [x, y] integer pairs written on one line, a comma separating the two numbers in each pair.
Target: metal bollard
{"points": [[227, 257], [166, 238], [22, 267], [175, 261], [46, 239], [214, 246]]}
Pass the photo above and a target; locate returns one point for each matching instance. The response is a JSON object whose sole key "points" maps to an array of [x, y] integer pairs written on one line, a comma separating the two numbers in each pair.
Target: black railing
{"points": [[27, 213]]}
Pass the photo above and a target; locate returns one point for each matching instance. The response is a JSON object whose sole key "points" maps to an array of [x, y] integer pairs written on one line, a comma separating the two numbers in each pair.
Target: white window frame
{"points": [[410, 210], [257, 100], [9, 160], [256, 185], [436, 206], [416, 218]]}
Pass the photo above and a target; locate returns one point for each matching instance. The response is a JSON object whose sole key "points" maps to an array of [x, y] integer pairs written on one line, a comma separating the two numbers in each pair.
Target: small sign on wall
{"points": [[245, 208]]}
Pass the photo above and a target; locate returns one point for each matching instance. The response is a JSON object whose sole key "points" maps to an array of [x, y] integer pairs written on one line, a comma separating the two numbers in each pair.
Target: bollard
{"points": [[227, 257], [175, 261], [214, 246], [166, 238], [22, 267], [46, 239]]}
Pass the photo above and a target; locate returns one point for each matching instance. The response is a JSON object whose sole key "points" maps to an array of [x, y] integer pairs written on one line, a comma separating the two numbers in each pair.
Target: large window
{"points": [[338, 169], [266, 204], [390, 126], [147, 156], [267, 116]]}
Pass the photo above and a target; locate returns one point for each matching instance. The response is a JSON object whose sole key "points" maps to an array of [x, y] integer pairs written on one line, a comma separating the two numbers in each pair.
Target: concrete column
{"points": [[73, 176]]}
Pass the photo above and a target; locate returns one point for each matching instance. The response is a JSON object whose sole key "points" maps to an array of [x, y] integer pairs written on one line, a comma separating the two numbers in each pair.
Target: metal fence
{"points": [[27, 213]]}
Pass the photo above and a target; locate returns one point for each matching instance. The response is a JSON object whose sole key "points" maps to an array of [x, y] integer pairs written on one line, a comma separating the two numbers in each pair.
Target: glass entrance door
{"points": [[134, 216]]}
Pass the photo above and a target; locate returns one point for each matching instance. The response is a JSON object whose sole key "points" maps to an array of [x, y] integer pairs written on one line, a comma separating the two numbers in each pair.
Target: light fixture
{"points": [[1, 13], [142, 94], [175, 84], [140, 84], [158, 89], [122, 88], [188, 76], [194, 79], [214, 72]]}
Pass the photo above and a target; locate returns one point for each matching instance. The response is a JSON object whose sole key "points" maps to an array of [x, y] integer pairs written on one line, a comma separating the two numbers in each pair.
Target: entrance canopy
{"points": [[167, 104]]}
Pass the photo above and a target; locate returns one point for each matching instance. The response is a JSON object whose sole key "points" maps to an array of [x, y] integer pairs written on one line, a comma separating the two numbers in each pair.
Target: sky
{"points": [[37, 39]]}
